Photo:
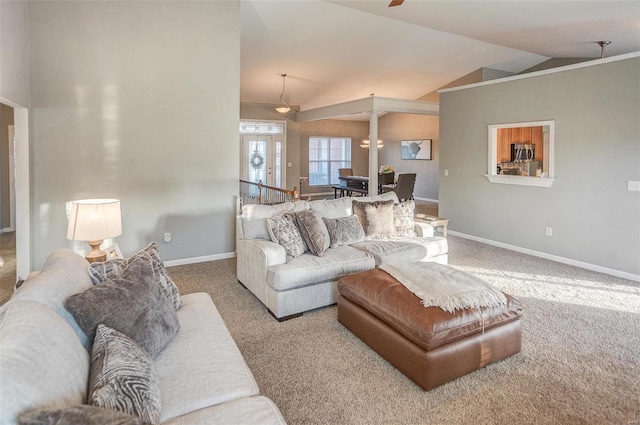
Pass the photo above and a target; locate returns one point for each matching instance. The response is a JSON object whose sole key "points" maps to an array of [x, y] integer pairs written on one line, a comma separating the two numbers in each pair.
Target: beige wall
{"points": [[595, 219], [137, 101]]}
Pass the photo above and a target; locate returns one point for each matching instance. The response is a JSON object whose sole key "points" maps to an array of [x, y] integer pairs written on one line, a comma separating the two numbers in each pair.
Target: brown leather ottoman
{"points": [[427, 344]]}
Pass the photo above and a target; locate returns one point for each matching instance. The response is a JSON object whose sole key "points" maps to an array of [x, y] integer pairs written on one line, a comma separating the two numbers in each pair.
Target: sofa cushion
{"points": [[202, 366], [314, 232], [344, 230], [308, 269], [247, 410], [435, 245], [403, 223], [42, 362], [254, 217], [376, 218], [102, 271], [84, 414], [132, 303], [63, 274], [284, 231], [391, 250], [123, 376]]}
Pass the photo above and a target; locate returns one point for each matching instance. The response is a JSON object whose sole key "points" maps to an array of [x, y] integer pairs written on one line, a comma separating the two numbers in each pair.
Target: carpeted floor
{"points": [[580, 361]]}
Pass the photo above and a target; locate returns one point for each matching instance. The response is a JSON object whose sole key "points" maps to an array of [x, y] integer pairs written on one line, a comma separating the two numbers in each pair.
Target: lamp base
{"points": [[96, 255]]}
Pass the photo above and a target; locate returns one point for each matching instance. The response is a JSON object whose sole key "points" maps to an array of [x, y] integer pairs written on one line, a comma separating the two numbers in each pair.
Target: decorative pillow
{"points": [[132, 303], [123, 377], [344, 230], [84, 414], [254, 217], [284, 231], [314, 232], [376, 218], [403, 219], [102, 271]]}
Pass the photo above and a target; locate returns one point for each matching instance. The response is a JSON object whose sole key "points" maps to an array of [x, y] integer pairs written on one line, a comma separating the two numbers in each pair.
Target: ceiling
{"points": [[337, 51]]}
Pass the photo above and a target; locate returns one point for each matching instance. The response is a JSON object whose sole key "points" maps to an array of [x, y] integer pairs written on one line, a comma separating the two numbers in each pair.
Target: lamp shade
{"points": [[94, 219]]}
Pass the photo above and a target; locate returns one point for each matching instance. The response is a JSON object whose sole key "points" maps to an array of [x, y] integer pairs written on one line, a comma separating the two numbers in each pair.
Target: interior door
{"points": [[262, 159]]}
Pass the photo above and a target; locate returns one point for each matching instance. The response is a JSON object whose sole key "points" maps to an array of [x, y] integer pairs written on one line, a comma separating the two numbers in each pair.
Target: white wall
{"points": [[595, 219], [137, 101]]}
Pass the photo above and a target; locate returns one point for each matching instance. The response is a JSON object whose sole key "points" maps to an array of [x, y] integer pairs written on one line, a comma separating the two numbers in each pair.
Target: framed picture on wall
{"points": [[415, 149], [113, 252]]}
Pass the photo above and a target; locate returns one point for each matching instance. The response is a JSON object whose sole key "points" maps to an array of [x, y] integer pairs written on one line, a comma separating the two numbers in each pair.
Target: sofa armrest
{"points": [[424, 230], [254, 257]]}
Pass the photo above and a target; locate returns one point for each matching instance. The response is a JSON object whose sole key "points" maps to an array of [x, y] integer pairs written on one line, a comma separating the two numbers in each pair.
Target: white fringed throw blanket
{"points": [[445, 287]]}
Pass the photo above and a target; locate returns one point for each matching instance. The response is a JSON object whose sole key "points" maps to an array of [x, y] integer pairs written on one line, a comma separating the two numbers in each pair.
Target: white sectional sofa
{"points": [[45, 356], [289, 287]]}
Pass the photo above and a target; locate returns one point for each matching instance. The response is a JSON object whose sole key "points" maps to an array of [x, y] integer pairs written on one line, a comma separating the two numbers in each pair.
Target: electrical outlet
{"points": [[167, 237], [548, 231], [633, 186]]}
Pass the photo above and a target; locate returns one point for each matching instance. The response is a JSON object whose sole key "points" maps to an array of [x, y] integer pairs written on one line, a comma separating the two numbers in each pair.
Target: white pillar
{"points": [[373, 153]]}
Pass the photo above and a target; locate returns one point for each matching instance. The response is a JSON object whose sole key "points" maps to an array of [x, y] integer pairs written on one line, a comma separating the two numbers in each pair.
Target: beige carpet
{"points": [[580, 362]]}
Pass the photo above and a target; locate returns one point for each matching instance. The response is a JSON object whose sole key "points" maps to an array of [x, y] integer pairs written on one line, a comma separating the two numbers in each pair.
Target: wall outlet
{"points": [[446, 173], [548, 231], [167, 237], [633, 186]]}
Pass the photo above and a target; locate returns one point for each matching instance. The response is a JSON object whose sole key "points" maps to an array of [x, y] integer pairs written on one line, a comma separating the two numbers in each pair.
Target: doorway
{"points": [[262, 152]]}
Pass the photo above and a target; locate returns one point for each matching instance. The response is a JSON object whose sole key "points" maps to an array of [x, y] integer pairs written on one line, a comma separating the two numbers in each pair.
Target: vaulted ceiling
{"points": [[337, 51]]}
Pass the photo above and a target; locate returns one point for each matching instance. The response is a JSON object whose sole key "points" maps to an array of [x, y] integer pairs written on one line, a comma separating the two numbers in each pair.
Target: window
{"points": [[326, 156], [522, 153]]}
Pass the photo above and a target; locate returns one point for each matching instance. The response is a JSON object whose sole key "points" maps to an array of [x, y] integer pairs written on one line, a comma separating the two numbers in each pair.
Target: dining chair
{"points": [[404, 187]]}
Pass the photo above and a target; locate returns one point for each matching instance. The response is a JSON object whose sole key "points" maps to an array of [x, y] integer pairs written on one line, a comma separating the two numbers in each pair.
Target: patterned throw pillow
{"points": [[313, 230], [123, 377], [102, 271], [84, 414], [132, 303], [376, 218], [403, 219], [284, 231], [344, 230]]}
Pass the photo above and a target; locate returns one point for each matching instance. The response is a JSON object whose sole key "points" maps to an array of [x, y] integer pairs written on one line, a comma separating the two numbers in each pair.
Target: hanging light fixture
{"points": [[286, 108], [602, 45], [365, 144]]}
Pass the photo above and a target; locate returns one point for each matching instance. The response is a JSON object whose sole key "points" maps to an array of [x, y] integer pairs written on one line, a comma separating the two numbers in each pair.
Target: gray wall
{"points": [[595, 219], [137, 101], [6, 119], [396, 127], [14, 63]]}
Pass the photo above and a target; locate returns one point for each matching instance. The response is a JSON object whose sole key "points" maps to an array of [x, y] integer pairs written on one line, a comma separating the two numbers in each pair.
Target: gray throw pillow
{"points": [[403, 219], [132, 303], [123, 376], [376, 218], [84, 414], [284, 231], [314, 232], [101, 271], [344, 230]]}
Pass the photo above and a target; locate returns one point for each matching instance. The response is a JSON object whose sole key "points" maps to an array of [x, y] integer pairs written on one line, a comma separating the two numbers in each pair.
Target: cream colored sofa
{"points": [[45, 359], [308, 282]]}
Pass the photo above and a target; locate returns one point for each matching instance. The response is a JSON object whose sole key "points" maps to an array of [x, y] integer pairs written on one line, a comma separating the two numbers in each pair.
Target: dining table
{"points": [[358, 184]]}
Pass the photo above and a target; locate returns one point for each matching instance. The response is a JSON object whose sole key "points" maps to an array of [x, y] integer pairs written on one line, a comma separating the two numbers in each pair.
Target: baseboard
{"points": [[563, 260], [426, 200], [203, 259]]}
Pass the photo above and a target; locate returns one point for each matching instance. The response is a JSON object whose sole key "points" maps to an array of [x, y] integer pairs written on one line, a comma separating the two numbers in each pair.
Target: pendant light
{"points": [[286, 108]]}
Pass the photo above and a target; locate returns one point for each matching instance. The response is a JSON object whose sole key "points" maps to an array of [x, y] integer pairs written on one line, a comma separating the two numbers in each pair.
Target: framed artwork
{"points": [[113, 252], [415, 149]]}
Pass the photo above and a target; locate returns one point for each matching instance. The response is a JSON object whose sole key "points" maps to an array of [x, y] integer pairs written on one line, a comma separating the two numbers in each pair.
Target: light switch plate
{"points": [[633, 186]]}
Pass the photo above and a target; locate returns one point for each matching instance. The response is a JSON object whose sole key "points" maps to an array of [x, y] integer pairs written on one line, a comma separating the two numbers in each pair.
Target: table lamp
{"points": [[94, 220]]}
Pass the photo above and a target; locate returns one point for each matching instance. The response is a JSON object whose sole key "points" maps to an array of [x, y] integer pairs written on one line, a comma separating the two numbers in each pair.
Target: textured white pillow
{"points": [[403, 219]]}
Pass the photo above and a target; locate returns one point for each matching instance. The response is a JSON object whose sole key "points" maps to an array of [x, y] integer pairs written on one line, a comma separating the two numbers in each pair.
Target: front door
{"points": [[262, 159]]}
